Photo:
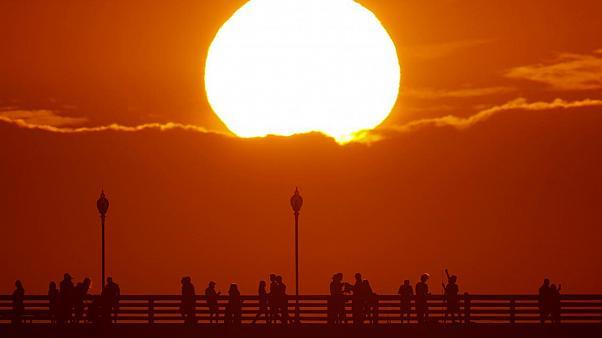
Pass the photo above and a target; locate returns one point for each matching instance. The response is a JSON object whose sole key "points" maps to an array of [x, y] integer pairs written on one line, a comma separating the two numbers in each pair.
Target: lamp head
{"points": [[296, 201], [102, 204]]}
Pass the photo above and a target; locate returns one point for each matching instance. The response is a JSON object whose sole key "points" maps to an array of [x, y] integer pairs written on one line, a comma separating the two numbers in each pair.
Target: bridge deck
{"points": [[307, 331]]}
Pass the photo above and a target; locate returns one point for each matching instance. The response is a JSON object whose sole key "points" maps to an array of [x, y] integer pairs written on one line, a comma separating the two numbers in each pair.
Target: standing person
{"points": [[110, 301], [406, 292], [211, 296], [273, 298], [262, 297], [555, 303], [358, 300], [234, 308], [53, 302], [18, 298], [336, 293], [188, 306], [282, 300], [422, 293], [371, 309], [80, 294], [66, 295], [544, 300], [451, 297]]}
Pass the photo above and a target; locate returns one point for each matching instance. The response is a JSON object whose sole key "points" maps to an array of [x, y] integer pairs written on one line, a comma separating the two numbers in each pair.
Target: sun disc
{"points": [[284, 67]]}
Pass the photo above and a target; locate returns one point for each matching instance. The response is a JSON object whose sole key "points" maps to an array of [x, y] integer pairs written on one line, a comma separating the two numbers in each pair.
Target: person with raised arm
{"points": [[451, 297]]}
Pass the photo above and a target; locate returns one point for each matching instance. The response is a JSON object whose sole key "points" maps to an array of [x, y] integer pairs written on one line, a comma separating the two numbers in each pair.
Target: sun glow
{"points": [[283, 67]]}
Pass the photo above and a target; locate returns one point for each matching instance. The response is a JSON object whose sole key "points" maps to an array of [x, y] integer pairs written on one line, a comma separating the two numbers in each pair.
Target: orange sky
{"points": [[489, 164]]}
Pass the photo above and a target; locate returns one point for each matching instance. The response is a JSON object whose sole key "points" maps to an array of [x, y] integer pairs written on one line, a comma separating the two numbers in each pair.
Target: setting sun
{"points": [[283, 67]]}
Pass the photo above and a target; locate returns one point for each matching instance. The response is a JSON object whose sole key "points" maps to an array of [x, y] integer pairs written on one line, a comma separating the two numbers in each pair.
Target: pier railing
{"points": [[313, 309]]}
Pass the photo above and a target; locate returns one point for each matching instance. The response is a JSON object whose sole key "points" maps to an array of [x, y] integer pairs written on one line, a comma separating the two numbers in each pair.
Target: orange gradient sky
{"points": [[489, 163]]}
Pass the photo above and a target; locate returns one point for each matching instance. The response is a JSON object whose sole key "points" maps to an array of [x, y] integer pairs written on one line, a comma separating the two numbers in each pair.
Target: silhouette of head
{"points": [[366, 283], [406, 282], [52, 286], [272, 277], [546, 282], [110, 280], [425, 277], [358, 276], [339, 276], [67, 276], [262, 284], [453, 279], [279, 279], [233, 288], [212, 284], [87, 281], [186, 280], [18, 284]]}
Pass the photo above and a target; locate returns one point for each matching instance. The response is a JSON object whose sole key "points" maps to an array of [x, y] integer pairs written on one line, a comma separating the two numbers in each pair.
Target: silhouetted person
{"points": [[94, 313], [336, 302], [406, 292], [555, 303], [211, 296], [188, 306], [110, 301], [53, 302], [66, 298], [422, 293], [281, 300], [18, 298], [358, 300], [234, 307], [262, 297], [273, 298], [544, 300], [80, 294], [451, 297], [371, 303]]}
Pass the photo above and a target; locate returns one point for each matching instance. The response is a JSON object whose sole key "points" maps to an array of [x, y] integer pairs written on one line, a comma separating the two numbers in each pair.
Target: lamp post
{"points": [[102, 204], [296, 204]]}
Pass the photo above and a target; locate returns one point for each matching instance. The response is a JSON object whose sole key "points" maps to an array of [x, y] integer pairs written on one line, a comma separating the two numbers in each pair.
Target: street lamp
{"points": [[296, 204], [102, 204]]}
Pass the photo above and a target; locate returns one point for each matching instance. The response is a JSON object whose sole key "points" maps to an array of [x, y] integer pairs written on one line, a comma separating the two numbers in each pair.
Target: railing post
{"points": [[466, 308], [151, 310], [512, 311]]}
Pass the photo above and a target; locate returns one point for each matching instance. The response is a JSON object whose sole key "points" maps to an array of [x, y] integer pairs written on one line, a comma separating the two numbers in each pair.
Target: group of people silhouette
{"points": [[549, 301], [272, 305], [71, 303], [67, 302], [364, 302]]}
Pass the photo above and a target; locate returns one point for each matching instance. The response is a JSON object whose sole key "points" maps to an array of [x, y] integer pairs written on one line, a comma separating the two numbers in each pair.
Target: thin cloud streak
{"points": [[440, 50], [518, 104], [367, 136], [40, 117], [567, 72], [47, 120], [370, 136], [432, 94]]}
